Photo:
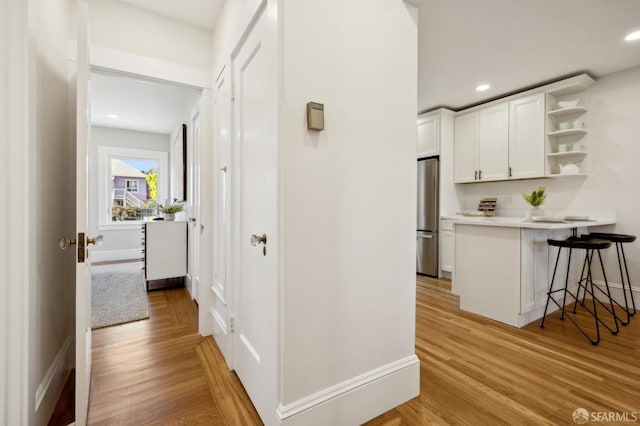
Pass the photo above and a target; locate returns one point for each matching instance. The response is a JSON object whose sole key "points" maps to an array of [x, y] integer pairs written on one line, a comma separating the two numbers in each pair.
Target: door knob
{"points": [[64, 243], [97, 240], [258, 239]]}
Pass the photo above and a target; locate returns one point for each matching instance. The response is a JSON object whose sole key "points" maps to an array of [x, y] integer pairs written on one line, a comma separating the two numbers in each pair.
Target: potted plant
{"points": [[169, 210], [535, 200]]}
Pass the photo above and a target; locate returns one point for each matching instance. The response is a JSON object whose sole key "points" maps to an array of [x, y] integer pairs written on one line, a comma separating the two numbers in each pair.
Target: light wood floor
{"points": [[473, 370]]}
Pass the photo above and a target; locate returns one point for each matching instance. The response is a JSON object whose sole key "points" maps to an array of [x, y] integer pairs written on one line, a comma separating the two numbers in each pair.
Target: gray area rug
{"points": [[118, 294]]}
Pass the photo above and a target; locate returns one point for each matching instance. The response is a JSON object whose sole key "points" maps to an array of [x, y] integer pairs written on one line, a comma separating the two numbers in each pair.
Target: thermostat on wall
{"points": [[315, 116]]}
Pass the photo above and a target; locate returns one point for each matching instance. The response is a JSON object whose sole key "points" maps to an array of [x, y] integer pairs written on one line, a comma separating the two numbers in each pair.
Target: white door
{"points": [[254, 66], [83, 262], [222, 292], [493, 142], [526, 137], [465, 148], [193, 230]]}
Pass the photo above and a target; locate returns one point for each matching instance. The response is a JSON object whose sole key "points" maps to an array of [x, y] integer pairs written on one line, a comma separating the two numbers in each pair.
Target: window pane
{"points": [[133, 188]]}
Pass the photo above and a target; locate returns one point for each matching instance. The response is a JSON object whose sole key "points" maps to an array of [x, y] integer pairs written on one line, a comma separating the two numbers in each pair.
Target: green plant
{"points": [[152, 182], [536, 198], [174, 207]]}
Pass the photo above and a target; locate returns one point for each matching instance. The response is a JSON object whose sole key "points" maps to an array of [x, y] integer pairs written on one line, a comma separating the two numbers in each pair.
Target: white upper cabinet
{"points": [[465, 148], [481, 143], [493, 142], [429, 135], [526, 137]]}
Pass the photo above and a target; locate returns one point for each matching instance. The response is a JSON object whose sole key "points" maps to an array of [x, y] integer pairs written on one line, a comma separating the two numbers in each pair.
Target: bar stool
{"points": [[618, 239], [585, 283]]}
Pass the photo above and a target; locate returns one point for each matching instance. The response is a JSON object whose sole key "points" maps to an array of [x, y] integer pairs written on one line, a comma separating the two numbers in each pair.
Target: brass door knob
{"points": [[63, 243], [97, 240]]}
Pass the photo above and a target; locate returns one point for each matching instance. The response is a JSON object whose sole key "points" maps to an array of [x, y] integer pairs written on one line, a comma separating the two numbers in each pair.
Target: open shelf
{"points": [[557, 175], [567, 154], [567, 111], [567, 132]]}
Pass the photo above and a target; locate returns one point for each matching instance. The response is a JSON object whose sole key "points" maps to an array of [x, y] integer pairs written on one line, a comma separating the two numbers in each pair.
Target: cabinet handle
{"points": [[479, 174], [509, 171], [475, 175]]}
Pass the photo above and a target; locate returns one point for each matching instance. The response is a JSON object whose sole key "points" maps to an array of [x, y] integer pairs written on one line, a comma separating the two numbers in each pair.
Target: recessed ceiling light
{"points": [[112, 116], [633, 36], [482, 87]]}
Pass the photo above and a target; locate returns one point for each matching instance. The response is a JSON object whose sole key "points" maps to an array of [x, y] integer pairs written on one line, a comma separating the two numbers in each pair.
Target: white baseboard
{"points": [[116, 255], [357, 400], [53, 381], [616, 293]]}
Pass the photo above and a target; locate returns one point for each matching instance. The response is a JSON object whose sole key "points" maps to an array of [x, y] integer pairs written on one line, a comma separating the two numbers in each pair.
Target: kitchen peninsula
{"points": [[503, 265]]}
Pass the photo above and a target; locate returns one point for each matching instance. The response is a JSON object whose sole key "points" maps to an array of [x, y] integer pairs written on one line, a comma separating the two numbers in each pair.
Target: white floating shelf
{"points": [[567, 111], [567, 154], [558, 175], [567, 132]]}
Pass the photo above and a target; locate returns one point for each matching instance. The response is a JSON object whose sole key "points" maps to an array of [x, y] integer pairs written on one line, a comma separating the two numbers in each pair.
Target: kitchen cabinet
{"points": [[429, 134], [446, 246], [481, 144], [526, 137]]}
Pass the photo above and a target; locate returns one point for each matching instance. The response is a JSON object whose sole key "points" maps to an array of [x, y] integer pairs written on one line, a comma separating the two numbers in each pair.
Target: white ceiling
{"points": [[509, 44], [141, 105], [514, 44], [200, 13]]}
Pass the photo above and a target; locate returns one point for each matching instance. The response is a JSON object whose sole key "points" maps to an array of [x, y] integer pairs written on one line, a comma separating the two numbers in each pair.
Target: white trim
{"points": [[616, 292], [117, 60], [15, 283], [56, 375], [115, 255], [389, 386], [219, 321]]}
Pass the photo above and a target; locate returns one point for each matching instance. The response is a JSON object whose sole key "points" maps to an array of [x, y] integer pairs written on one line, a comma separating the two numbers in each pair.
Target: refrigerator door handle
{"points": [[425, 236]]}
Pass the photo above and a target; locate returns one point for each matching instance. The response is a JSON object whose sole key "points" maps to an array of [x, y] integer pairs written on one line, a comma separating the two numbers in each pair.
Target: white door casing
{"points": [[83, 277], [255, 151], [222, 293]]}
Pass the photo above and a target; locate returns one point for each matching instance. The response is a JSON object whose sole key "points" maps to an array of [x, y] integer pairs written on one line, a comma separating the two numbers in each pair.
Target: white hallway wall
{"points": [[611, 188], [123, 239], [347, 193], [119, 26]]}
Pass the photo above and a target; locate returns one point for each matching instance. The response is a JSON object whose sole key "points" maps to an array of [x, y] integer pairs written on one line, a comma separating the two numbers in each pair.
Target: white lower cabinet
{"points": [[446, 246]]}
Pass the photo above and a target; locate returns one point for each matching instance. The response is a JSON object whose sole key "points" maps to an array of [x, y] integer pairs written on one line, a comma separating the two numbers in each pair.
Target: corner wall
{"points": [[348, 203]]}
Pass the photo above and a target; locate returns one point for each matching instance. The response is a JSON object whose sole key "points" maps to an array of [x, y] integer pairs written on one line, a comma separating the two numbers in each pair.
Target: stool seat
{"points": [[615, 238], [581, 243]]}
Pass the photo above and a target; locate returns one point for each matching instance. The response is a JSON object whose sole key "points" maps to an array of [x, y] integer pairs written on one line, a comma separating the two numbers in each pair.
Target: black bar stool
{"points": [[585, 283], [618, 239]]}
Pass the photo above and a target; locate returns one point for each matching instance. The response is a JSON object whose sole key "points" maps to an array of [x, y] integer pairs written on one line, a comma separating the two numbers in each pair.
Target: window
{"points": [[132, 185], [132, 181]]}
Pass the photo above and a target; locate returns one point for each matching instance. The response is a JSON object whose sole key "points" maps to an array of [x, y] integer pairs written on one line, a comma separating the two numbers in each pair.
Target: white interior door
{"points": [[255, 147], [83, 276], [222, 291], [193, 230]]}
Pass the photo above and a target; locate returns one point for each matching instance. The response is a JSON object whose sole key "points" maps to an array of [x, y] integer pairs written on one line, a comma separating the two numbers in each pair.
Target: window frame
{"points": [[108, 153]]}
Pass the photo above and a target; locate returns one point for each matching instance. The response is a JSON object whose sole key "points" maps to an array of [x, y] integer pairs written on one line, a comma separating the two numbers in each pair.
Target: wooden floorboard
{"points": [[473, 371]]}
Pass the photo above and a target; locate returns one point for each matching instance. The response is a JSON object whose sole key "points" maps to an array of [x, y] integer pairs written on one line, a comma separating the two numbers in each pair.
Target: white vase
{"points": [[534, 211], [169, 216]]}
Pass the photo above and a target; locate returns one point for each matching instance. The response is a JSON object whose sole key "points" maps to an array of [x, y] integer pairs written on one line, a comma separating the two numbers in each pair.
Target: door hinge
{"points": [[232, 323]]}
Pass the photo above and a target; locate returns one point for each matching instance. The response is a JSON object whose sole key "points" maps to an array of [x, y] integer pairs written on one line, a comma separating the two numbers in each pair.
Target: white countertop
{"points": [[520, 222]]}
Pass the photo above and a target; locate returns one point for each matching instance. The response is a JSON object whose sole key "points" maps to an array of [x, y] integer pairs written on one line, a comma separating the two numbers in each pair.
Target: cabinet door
{"points": [[493, 142], [429, 135], [526, 137], [446, 251], [465, 147]]}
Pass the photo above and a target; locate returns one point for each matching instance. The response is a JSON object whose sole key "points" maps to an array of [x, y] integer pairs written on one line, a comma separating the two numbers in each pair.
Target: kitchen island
{"points": [[503, 265]]}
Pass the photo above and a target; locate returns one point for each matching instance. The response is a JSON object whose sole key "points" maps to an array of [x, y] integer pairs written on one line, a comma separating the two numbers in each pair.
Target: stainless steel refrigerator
{"points": [[428, 217]]}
